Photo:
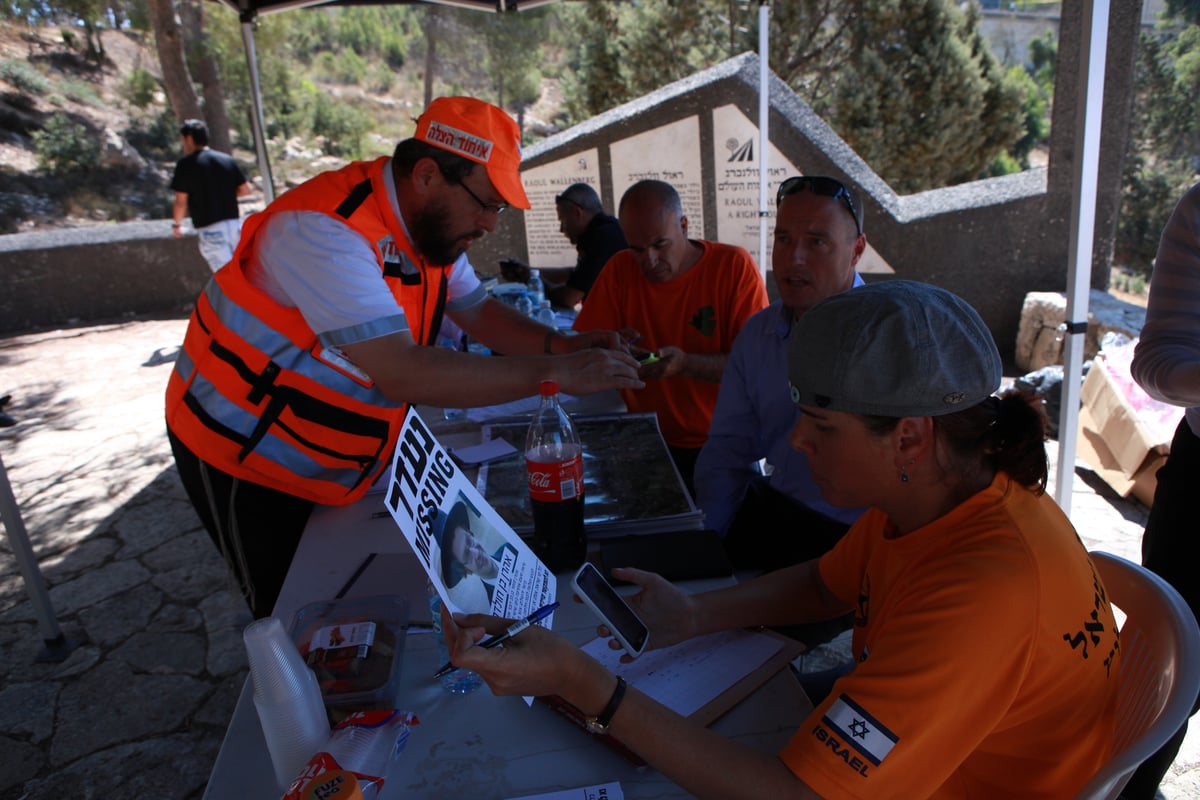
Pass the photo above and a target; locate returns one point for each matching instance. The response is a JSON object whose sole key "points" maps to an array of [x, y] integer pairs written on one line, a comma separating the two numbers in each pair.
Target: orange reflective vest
{"points": [[256, 395]]}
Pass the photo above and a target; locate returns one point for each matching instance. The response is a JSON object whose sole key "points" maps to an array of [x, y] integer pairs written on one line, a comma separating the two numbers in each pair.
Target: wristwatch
{"points": [[599, 724]]}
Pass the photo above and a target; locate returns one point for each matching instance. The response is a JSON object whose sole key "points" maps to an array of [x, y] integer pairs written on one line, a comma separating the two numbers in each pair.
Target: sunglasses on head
{"points": [[826, 187]]}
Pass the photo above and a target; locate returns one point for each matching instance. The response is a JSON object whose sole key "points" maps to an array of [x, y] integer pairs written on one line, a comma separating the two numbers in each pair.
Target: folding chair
{"points": [[1160, 669]]}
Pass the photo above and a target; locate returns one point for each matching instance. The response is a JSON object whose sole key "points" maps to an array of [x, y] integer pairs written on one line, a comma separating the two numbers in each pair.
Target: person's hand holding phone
{"points": [[668, 611], [666, 362], [617, 617]]}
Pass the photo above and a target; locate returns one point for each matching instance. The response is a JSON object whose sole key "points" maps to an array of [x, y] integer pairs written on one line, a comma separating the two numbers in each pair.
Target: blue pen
{"points": [[512, 631]]}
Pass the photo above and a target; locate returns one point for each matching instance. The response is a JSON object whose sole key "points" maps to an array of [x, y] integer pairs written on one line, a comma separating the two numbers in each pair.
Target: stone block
{"points": [[1039, 343]]}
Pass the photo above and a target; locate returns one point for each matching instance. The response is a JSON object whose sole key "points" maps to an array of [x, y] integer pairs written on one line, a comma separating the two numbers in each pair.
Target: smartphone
{"points": [[611, 608]]}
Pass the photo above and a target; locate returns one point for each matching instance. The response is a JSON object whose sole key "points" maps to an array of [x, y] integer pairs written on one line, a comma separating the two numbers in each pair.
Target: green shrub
{"points": [[156, 135], [24, 77], [380, 78], [139, 88], [66, 146], [342, 124], [81, 92], [346, 67]]}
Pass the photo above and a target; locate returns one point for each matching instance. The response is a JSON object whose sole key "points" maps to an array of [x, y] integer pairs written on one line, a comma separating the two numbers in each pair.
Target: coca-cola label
{"points": [[555, 482]]}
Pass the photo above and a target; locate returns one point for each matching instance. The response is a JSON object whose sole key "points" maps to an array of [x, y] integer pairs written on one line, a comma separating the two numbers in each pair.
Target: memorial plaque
{"points": [[668, 153], [738, 163], [547, 246]]}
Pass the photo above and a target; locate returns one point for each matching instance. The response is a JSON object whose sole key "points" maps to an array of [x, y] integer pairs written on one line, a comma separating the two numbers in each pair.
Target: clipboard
{"points": [[728, 697]]}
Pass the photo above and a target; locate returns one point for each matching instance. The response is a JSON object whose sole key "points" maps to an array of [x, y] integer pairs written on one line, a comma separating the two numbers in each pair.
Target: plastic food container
{"points": [[354, 646]]}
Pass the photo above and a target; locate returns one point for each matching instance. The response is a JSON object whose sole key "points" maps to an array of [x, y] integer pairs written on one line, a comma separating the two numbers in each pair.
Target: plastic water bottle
{"points": [[537, 290], [524, 304], [287, 698], [451, 413], [460, 681], [545, 315], [554, 462]]}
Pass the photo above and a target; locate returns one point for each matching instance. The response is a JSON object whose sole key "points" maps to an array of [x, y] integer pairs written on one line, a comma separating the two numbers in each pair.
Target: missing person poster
{"points": [[472, 556]]}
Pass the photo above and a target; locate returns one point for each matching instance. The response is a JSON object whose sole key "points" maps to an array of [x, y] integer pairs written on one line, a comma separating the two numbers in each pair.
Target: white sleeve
{"points": [[463, 288], [329, 272]]}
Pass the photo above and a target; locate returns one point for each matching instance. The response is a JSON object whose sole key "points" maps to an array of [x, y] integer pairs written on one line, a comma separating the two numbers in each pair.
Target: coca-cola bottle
{"points": [[554, 460]]}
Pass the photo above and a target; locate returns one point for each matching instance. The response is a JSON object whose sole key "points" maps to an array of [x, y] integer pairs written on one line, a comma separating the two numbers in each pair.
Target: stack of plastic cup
{"points": [[287, 697]]}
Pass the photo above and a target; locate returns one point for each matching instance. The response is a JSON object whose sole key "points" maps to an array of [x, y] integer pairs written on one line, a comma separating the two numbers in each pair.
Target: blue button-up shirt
{"points": [[752, 421]]}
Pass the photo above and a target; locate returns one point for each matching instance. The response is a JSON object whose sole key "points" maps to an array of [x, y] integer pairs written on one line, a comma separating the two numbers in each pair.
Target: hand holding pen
{"points": [[513, 630]]}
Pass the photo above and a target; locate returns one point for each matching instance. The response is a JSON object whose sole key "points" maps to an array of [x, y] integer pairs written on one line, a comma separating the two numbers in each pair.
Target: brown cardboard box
{"points": [[1117, 445]]}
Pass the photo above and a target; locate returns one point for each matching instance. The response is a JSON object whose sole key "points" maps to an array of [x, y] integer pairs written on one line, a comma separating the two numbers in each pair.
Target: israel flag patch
{"points": [[860, 730]]}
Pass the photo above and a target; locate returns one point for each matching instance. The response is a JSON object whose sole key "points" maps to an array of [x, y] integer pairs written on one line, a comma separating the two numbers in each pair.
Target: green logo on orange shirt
{"points": [[705, 320]]}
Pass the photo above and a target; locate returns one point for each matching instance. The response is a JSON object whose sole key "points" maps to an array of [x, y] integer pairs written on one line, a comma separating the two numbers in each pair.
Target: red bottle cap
{"points": [[548, 388]]}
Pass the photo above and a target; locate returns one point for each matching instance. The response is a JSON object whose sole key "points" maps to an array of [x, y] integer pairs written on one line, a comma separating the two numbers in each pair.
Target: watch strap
{"points": [[600, 723]]}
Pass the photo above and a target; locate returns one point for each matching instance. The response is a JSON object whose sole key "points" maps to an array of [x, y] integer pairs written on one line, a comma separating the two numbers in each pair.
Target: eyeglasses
{"points": [[487, 208], [825, 187]]}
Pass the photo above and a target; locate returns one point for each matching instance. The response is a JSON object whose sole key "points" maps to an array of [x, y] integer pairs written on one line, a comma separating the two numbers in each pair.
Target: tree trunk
{"points": [[177, 81], [432, 18], [200, 54]]}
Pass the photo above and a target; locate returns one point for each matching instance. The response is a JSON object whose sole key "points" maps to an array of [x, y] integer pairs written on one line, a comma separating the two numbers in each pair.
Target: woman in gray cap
{"points": [[986, 660]]}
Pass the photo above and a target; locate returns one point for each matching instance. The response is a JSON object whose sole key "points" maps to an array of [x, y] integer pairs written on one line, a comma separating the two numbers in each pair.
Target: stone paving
{"points": [[139, 707]]}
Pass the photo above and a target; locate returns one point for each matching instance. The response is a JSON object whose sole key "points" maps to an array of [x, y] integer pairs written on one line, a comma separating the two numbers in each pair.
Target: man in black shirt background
{"points": [[207, 186], [596, 236]]}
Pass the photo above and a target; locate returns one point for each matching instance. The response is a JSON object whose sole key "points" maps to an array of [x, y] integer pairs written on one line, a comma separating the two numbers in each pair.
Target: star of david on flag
{"points": [[860, 730]]}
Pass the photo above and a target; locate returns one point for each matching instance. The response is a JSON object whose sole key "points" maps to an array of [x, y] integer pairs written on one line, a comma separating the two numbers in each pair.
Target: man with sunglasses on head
{"points": [[596, 236], [779, 518], [681, 300], [302, 355]]}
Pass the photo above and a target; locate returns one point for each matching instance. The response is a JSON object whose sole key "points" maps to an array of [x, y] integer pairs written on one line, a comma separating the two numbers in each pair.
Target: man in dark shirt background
{"points": [[207, 186], [596, 236]]}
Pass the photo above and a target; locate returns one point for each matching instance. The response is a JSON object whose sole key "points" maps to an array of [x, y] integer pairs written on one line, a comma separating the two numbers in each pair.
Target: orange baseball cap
{"points": [[479, 132]]}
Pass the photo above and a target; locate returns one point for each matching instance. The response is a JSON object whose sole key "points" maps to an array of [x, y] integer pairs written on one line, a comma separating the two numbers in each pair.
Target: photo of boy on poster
{"points": [[474, 559]]}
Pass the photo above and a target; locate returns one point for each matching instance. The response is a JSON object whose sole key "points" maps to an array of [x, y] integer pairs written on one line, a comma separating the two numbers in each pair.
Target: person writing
{"points": [[986, 656], [683, 300], [1166, 363], [818, 240], [302, 355], [597, 237], [207, 186]]}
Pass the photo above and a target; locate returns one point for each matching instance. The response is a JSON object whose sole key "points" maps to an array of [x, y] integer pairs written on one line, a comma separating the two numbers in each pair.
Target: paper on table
{"points": [[689, 675], [516, 408], [600, 791], [483, 452]]}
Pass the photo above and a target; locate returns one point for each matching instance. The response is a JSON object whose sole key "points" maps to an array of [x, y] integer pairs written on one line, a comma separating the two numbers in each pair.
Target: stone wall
{"points": [[83, 275]]}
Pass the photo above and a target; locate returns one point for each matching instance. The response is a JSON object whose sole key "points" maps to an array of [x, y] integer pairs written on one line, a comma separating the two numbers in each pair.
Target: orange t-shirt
{"points": [[987, 662], [701, 311]]}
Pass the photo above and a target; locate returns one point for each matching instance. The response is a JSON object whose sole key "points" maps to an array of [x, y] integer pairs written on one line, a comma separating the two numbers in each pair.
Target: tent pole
{"points": [[764, 16], [57, 647], [260, 141], [1088, 116]]}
